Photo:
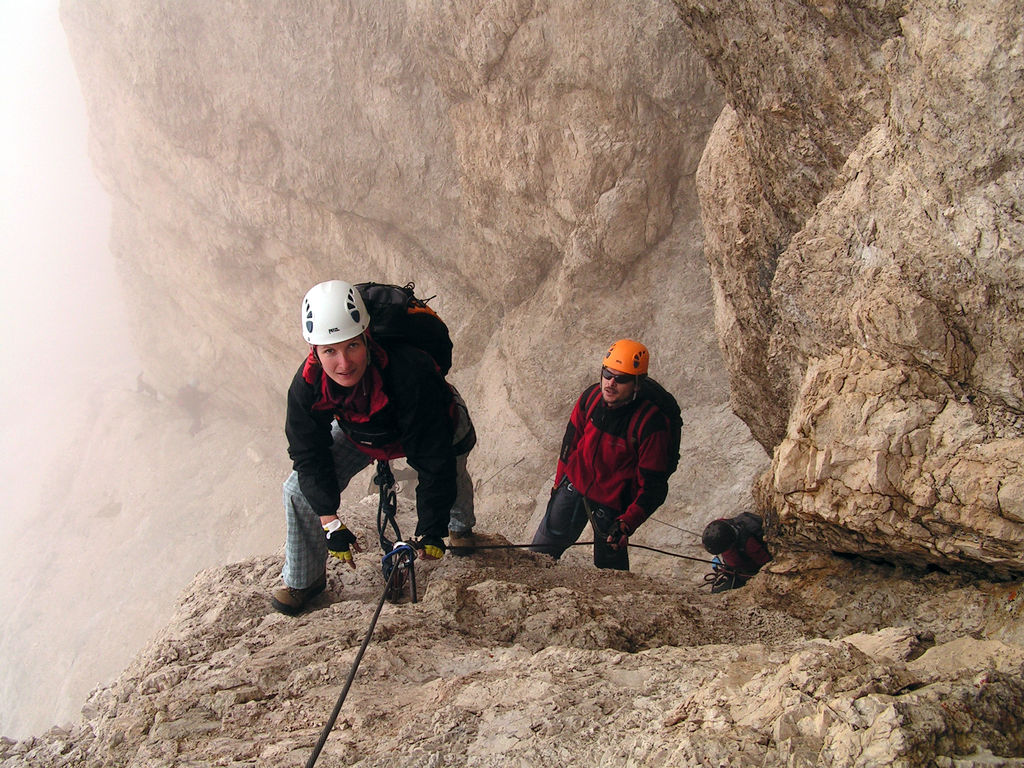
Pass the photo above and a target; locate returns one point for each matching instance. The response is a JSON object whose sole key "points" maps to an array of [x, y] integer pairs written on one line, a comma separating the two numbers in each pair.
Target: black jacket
{"points": [[416, 423]]}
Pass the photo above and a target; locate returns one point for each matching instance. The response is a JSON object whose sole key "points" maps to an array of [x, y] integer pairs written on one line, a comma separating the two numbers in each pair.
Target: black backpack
{"points": [[396, 313], [652, 391]]}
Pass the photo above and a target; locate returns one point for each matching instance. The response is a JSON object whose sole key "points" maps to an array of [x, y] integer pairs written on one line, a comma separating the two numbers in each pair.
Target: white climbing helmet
{"points": [[333, 312]]}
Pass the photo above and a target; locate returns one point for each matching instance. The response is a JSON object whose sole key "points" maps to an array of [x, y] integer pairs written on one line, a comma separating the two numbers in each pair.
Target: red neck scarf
{"points": [[356, 403]]}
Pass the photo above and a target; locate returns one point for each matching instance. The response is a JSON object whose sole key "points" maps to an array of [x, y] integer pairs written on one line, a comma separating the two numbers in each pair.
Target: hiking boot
{"points": [[292, 600], [462, 543], [430, 548], [724, 581]]}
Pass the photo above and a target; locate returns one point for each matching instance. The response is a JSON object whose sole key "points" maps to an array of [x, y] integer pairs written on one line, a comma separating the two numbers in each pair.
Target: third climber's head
{"points": [[718, 536]]}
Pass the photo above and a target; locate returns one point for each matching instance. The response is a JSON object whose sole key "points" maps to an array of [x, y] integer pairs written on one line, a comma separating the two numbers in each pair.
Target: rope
{"points": [[403, 556], [721, 566], [590, 543], [672, 554], [387, 505], [670, 525], [351, 675]]}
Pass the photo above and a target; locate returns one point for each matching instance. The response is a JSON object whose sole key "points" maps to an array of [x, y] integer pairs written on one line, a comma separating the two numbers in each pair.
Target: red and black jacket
{"points": [[748, 553], [617, 457], [403, 410]]}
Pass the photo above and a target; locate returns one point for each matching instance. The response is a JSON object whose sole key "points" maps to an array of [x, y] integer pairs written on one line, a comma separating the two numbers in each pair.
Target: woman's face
{"points": [[344, 362]]}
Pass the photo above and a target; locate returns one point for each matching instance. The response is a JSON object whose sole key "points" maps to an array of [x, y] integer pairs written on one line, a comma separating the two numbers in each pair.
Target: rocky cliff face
{"points": [[861, 197], [539, 166], [508, 659], [531, 165]]}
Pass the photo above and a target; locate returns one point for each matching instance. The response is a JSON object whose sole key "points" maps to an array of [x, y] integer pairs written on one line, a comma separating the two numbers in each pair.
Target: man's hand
{"points": [[341, 542], [618, 535]]}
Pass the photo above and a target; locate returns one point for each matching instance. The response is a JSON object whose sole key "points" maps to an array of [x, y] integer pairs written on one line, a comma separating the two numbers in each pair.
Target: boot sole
{"points": [[461, 550], [288, 610], [295, 610]]}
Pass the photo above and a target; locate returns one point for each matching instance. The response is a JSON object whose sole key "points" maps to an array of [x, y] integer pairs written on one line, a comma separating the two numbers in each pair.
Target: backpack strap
{"points": [[639, 421], [591, 404], [586, 405]]}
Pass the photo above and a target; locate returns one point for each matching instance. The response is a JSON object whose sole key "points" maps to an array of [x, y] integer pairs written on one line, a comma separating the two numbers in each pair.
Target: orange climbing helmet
{"points": [[627, 356]]}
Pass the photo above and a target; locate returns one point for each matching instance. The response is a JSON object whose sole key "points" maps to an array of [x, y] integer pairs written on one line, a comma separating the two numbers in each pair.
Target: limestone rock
{"points": [[508, 659], [888, 461], [540, 166], [530, 164], [862, 194]]}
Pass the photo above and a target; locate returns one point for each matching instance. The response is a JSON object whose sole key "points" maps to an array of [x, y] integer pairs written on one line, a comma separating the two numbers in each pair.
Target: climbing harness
{"points": [[399, 558], [398, 569]]}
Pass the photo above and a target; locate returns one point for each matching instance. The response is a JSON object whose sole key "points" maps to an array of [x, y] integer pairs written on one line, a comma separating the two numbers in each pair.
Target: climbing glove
{"points": [[341, 542], [618, 535]]}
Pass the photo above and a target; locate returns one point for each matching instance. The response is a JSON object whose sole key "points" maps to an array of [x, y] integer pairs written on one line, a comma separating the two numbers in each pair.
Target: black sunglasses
{"points": [[620, 378]]}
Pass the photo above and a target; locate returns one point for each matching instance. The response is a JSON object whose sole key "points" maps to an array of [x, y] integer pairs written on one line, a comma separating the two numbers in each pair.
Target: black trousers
{"points": [[564, 521]]}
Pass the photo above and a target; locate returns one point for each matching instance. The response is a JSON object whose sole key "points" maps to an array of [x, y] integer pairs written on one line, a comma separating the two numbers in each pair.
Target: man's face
{"points": [[617, 388], [344, 362]]}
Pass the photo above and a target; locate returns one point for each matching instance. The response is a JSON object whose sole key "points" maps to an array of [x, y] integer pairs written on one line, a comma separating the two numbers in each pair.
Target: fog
{"points": [[63, 332]]}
